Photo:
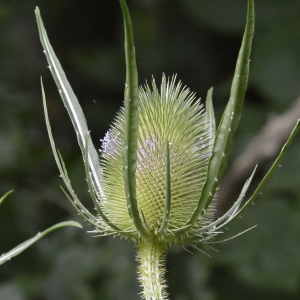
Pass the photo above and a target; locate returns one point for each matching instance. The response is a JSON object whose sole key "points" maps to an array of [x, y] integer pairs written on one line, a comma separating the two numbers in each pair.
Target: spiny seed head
{"points": [[173, 115]]}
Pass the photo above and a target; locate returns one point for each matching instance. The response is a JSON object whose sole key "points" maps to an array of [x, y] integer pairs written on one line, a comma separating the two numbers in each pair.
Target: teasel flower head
{"points": [[173, 149], [161, 161]]}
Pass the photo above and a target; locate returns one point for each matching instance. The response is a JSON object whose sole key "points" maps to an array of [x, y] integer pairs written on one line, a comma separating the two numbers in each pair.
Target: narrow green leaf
{"points": [[271, 170], [233, 237], [71, 103], [23, 246], [5, 196], [168, 194], [61, 166], [131, 103], [82, 211], [229, 121], [210, 112], [233, 211]]}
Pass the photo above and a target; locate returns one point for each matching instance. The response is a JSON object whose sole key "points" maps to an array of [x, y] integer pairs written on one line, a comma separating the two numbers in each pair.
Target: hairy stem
{"points": [[151, 257]]}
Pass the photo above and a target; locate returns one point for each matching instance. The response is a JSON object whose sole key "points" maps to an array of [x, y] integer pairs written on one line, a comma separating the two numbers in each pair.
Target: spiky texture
{"points": [[151, 259], [170, 115]]}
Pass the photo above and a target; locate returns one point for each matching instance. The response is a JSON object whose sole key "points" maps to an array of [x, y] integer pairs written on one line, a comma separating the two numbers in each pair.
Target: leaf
{"points": [[5, 196], [272, 169], [63, 171], [71, 103], [233, 237], [233, 211], [23, 246], [229, 121], [131, 102]]}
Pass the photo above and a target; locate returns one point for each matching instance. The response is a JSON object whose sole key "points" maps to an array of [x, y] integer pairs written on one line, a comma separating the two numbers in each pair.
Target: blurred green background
{"points": [[199, 41]]}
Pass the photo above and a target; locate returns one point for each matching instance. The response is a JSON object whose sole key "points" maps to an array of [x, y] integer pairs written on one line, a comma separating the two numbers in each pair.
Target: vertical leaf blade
{"points": [[229, 121], [131, 103], [71, 103]]}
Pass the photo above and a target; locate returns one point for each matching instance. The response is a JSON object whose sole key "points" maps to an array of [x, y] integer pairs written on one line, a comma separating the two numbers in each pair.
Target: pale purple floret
{"points": [[110, 143], [151, 143], [202, 142], [146, 151]]}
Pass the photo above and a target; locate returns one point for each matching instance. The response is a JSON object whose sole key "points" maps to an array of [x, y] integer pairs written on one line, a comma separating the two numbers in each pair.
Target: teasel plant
{"points": [[154, 181]]}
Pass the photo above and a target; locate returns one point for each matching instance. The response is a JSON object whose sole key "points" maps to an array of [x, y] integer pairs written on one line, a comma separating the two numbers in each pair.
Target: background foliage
{"points": [[199, 41]]}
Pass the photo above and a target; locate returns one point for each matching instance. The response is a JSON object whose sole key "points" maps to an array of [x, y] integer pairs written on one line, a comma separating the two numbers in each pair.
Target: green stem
{"points": [[151, 258]]}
